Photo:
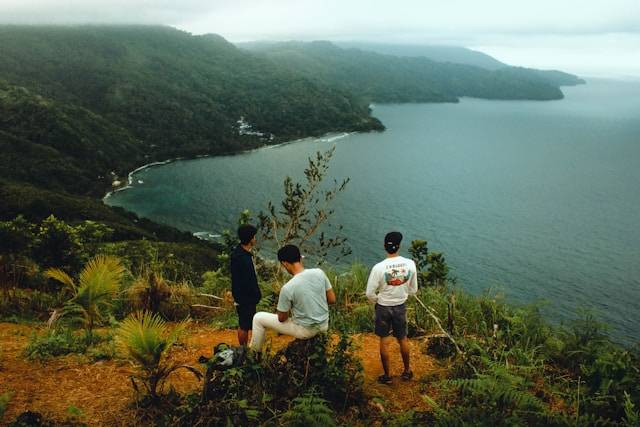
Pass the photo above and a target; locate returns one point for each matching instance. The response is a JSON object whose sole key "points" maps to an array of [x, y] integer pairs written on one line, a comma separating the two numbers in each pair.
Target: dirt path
{"points": [[103, 392]]}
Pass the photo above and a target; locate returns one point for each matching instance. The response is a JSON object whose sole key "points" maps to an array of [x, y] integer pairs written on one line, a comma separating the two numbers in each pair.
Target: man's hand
{"points": [[331, 297], [283, 316]]}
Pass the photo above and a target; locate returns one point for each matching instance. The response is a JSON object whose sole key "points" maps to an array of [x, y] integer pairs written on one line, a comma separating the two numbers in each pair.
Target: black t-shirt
{"points": [[244, 283]]}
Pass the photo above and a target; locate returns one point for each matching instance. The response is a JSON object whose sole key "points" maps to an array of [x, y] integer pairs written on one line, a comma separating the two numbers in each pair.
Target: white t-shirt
{"points": [[392, 281], [306, 296]]}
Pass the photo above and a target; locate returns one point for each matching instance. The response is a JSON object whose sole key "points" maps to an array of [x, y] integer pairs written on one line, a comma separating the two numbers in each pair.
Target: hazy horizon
{"points": [[595, 39]]}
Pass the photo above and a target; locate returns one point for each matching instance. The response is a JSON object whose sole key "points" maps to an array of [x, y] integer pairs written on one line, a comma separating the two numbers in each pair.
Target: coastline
{"points": [[328, 137]]}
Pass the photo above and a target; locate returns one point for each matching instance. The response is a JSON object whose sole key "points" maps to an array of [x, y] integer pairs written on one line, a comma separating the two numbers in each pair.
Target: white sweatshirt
{"points": [[392, 281]]}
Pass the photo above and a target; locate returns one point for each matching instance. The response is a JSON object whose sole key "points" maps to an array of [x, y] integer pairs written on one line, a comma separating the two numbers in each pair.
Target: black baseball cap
{"points": [[392, 241]]}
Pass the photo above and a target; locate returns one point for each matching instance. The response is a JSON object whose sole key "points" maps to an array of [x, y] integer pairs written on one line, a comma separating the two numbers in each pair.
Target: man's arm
{"points": [[372, 286], [284, 305], [413, 282], [283, 316], [331, 296]]}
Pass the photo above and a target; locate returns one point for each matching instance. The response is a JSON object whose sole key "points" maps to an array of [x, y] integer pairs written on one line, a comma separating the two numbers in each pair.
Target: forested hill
{"points": [[461, 55], [390, 78], [78, 103], [455, 54], [181, 93]]}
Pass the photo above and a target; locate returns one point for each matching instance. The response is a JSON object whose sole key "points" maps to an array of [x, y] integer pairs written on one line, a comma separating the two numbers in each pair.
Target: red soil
{"points": [[103, 392]]}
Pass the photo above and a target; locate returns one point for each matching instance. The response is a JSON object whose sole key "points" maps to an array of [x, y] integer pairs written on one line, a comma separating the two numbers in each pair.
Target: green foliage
{"points": [[432, 267], [632, 416], [309, 410], [4, 402], [304, 212], [496, 397], [320, 375], [392, 79], [216, 282], [97, 287], [146, 340], [105, 94], [54, 343], [352, 311], [75, 414], [185, 261]]}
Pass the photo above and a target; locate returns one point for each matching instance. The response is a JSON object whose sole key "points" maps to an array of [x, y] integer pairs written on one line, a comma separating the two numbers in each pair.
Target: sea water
{"points": [[538, 199]]}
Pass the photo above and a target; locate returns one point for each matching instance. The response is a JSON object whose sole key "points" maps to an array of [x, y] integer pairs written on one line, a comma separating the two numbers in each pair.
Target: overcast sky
{"points": [[588, 37]]}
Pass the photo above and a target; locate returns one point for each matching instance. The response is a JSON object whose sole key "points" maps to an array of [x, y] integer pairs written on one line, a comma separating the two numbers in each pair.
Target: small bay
{"points": [[539, 199]]}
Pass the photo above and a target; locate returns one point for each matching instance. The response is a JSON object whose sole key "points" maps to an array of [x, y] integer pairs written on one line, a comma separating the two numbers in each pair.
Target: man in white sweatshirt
{"points": [[390, 283]]}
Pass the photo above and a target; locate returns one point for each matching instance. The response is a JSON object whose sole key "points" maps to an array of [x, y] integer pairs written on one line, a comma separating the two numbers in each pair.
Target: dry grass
{"points": [[104, 394]]}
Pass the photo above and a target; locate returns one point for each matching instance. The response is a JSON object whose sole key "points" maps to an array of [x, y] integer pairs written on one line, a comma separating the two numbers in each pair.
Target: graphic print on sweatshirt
{"points": [[397, 274]]}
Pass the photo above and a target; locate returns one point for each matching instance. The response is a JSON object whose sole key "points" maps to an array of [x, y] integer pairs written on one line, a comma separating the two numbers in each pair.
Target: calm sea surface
{"points": [[538, 199]]}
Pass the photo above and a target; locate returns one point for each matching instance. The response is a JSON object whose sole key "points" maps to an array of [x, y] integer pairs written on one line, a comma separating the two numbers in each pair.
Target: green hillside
{"points": [[178, 94], [82, 105], [439, 53], [388, 78]]}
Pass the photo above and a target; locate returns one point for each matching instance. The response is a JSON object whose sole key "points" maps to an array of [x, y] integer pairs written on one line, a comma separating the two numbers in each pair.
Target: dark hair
{"points": [[392, 242], [246, 232], [289, 253]]}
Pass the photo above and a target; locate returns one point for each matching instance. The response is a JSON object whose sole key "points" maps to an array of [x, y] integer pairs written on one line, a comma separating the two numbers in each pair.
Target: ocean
{"points": [[539, 200]]}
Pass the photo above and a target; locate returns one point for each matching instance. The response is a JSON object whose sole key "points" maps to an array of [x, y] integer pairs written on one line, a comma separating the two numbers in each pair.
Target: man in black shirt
{"points": [[244, 283]]}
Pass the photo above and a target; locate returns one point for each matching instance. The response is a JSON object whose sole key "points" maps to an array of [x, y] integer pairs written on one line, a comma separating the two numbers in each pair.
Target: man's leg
{"points": [[263, 321], [404, 350], [384, 354], [400, 332], [243, 337], [245, 321]]}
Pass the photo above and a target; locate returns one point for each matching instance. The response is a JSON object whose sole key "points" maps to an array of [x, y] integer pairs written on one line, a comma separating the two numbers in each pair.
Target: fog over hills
{"points": [[439, 53]]}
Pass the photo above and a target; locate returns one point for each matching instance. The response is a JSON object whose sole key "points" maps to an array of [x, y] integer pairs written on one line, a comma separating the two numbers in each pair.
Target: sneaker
{"points": [[407, 375], [384, 379]]}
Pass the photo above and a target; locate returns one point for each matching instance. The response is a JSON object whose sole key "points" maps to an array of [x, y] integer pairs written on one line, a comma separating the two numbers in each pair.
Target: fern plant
{"points": [[309, 410], [496, 396], [146, 340], [93, 294]]}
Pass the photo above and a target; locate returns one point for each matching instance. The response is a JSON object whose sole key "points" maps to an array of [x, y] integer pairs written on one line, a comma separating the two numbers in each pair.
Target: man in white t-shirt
{"points": [[390, 283], [303, 304]]}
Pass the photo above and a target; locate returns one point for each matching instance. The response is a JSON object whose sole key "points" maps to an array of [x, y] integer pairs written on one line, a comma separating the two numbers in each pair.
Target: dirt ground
{"points": [[103, 392]]}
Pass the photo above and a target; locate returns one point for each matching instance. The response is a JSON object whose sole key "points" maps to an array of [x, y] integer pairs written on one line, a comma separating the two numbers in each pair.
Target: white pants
{"points": [[263, 321]]}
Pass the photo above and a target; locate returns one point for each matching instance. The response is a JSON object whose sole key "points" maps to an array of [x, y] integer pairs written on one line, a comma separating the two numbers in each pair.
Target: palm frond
{"points": [[62, 277]]}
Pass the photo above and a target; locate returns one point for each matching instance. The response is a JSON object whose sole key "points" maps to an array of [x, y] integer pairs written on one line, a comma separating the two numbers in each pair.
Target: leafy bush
{"points": [[146, 340], [265, 385], [53, 343], [97, 287]]}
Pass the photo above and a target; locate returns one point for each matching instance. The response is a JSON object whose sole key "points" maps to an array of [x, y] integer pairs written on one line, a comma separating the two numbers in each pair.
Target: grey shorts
{"points": [[391, 318]]}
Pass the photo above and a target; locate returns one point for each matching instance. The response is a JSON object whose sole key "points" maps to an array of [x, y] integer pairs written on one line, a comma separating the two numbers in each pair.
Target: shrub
{"points": [[54, 343], [97, 287], [264, 386], [146, 340]]}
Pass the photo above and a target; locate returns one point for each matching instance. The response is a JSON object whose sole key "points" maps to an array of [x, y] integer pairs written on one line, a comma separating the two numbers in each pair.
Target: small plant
{"points": [[54, 343], [4, 402], [75, 414], [146, 340], [97, 287], [309, 410], [304, 212]]}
